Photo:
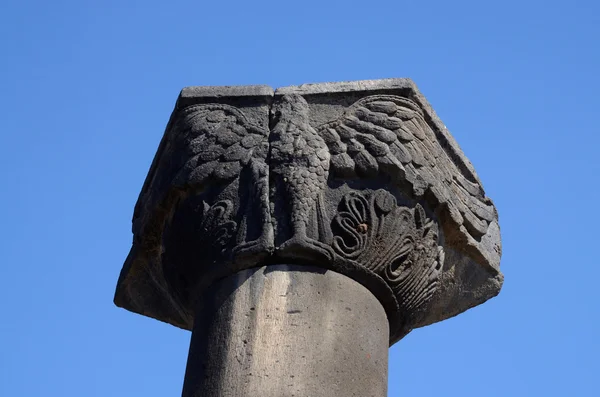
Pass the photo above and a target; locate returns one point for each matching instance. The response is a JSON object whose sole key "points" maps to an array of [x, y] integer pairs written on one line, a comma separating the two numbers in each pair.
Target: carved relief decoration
{"points": [[197, 238], [389, 134], [398, 243], [247, 194]]}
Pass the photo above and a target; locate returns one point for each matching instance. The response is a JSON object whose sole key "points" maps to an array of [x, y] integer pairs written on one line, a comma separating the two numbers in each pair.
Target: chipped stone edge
{"points": [[347, 86], [224, 91]]}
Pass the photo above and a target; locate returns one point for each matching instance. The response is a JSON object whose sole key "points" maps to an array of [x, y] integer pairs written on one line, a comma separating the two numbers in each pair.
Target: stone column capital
{"points": [[361, 178]]}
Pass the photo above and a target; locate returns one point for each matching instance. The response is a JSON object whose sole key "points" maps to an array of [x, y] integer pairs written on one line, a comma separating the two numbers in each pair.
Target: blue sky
{"points": [[87, 88]]}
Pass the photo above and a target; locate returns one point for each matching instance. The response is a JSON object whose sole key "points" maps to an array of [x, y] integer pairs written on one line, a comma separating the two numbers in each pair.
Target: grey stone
{"points": [[357, 178], [260, 333]]}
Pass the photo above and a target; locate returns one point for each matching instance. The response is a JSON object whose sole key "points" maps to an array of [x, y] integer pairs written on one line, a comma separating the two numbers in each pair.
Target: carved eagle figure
{"points": [[377, 134], [299, 162]]}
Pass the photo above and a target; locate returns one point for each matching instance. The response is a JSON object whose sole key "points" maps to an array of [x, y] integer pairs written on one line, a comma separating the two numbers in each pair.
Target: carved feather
{"points": [[219, 141], [389, 134]]}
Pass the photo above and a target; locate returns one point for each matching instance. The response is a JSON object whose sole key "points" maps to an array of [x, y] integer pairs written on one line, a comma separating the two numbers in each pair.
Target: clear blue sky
{"points": [[87, 88]]}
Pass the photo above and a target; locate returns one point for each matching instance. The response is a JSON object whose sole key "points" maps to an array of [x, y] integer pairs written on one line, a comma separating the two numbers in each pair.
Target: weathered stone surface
{"points": [[288, 331], [360, 178], [209, 176]]}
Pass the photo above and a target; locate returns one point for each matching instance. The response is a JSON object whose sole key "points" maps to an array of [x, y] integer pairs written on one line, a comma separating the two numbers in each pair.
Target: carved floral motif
{"points": [[398, 243], [200, 236], [217, 228]]}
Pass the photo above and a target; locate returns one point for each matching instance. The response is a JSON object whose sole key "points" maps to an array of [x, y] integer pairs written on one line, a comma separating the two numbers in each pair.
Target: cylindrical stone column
{"points": [[284, 330], [300, 232]]}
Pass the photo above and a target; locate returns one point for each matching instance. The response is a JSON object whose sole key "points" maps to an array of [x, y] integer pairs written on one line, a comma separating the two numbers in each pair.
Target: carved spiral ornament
{"points": [[398, 243]]}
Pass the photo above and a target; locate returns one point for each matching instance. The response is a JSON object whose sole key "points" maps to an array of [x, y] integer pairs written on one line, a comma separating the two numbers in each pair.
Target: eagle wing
{"points": [[219, 141], [390, 134], [204, 144]]}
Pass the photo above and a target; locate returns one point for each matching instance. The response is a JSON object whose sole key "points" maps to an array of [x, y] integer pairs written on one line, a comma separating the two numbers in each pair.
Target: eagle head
{"points": [[289, 107]]}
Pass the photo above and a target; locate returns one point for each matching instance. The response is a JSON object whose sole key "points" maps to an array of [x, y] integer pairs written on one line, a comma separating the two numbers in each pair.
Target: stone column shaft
{"points": [[288, 331]]}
